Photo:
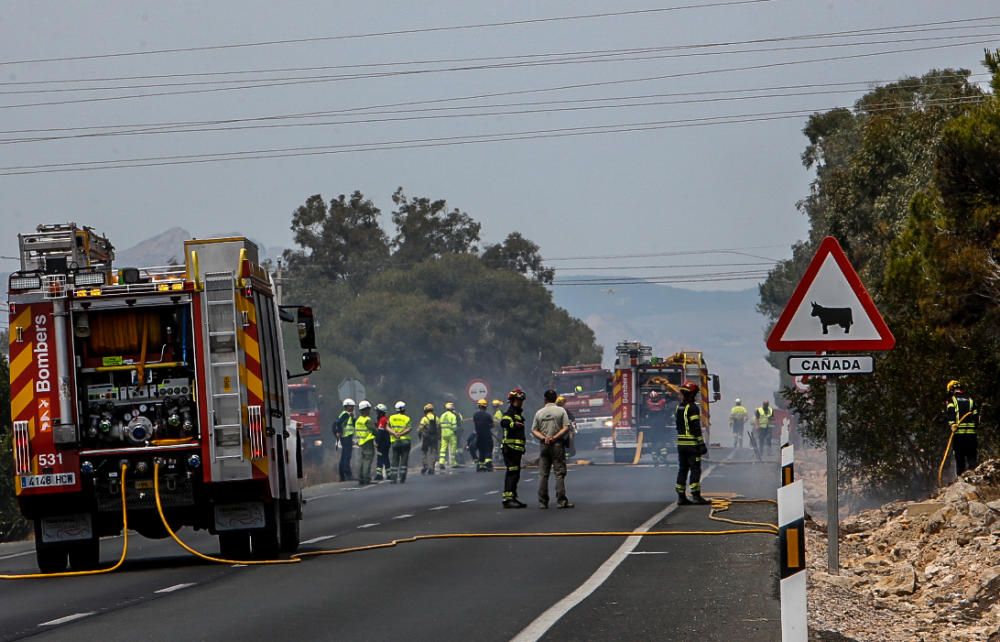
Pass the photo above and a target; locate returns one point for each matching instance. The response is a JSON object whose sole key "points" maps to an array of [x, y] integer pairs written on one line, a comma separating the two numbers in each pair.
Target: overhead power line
{"points": [[187, 159], [499, 62], [702, 72], [397, 32], [153, 127]]}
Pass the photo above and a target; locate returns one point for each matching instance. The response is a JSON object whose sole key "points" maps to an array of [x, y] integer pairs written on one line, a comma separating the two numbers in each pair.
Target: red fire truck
{"points": [[303, 400], [636, 427], [178, 369], [587, 389]]}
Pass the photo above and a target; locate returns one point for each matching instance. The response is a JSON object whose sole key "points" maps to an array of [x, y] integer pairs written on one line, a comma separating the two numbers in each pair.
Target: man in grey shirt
{"points": [[550, 427]]}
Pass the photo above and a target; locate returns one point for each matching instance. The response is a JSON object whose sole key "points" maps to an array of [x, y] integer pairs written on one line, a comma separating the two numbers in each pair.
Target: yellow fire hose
{"points": [[200, 555], [718, 505], [98, 571], [947, 448]]}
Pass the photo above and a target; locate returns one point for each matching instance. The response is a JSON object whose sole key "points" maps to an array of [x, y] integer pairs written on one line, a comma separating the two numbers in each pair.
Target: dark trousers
{"points": [[382, 442], [552, 458], [690, 462], [346, 447], [512, 460], [484, 446], [966, 452], [399, 457], [765, 439], [429, 448], [367, 455]]}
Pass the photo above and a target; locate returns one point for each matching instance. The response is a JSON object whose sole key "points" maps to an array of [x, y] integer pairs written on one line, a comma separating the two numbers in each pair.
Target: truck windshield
{"points": [[303, 398], [590, 382]]}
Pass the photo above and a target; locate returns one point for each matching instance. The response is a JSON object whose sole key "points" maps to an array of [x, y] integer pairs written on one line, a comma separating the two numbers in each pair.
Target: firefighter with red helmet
{"points": [[690, 446], [512, 424]]}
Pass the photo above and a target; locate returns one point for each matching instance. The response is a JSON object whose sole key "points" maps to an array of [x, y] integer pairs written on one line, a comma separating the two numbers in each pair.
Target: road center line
{"points": [[316, 540], [403, 516], [466, 501], [438, 508], [68, 618], [492, 492], [175, 587], [554, 613], [13, 555], [369, 525], [650, 553]]}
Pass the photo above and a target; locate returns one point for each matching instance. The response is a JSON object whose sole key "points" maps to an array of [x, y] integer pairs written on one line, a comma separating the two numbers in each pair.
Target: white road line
{"points": [[554, 613], [13, 555], [68, 618], [369, 525], [650, 553], [529, 479], [466, 501], [238, 565], [316, 540], [403, 516], [492, 492], [175, 587], [438, 508]]}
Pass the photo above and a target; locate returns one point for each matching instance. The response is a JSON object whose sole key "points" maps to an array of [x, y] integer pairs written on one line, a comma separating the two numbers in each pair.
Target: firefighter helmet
{"points": [[482, 403], [349, 403], [578, 389], [381, 407], [690, 387], [450, 405], [654, 395], [400, 406], [954, 385], [428, 407], [497, 403], [560, 400], [517, 393], [364, 405]]}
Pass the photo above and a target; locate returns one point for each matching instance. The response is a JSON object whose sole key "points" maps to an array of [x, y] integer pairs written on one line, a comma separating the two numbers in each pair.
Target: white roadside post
{"points": [[791, 539]]}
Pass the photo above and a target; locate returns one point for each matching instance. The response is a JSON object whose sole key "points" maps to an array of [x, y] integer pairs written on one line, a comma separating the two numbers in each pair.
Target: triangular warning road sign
{"points": [[830, 310]]}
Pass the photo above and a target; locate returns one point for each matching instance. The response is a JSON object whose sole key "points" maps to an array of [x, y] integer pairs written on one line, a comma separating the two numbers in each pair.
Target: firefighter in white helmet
{"points": [[343, 432], [364, 437], [399, 451]]}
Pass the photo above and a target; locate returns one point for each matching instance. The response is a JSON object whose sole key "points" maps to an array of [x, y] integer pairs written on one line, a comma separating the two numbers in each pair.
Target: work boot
{"points": [[682, 500], [511, 503], [696, 498], [565, 503], [543, 505]]}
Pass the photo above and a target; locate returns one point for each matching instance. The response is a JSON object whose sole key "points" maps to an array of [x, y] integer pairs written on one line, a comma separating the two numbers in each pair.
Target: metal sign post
{"points": [[832, 480]]}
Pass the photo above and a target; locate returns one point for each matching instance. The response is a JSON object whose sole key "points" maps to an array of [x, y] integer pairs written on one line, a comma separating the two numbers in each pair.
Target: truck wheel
{"points": [[290, 527], [264, 541], [85, 555], [234, 545], [51, 559]]}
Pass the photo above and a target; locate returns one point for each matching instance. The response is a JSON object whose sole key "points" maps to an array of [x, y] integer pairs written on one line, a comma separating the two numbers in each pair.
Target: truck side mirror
{"points": [[716, 392], [310, 361], [307, 331]]}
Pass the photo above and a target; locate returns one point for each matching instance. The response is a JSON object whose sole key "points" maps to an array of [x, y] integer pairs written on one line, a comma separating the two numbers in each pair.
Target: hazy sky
{"points": [[683, 188]]}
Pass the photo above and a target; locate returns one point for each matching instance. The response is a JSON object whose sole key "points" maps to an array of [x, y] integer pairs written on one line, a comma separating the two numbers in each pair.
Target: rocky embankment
{"points": [[914, 571]]}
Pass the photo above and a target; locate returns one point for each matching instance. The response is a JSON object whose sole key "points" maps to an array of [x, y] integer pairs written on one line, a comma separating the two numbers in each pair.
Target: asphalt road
{"points": [[582, 588]]}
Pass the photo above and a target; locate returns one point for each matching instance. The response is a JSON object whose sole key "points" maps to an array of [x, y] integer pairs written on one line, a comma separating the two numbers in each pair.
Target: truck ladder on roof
{"points": [[224, 365]]}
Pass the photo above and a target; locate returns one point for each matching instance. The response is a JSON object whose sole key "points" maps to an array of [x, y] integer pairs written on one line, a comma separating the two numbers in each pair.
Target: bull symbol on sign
{"points": [[833, 316]]}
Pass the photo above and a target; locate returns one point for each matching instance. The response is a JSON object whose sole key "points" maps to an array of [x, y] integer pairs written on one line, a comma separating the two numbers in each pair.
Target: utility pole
{"points": [[278, 283]]}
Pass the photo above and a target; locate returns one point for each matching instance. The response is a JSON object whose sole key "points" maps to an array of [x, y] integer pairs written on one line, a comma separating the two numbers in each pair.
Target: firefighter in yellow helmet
{"points": [[963, 418], [483, 422], [448, 422], [430, 440]]}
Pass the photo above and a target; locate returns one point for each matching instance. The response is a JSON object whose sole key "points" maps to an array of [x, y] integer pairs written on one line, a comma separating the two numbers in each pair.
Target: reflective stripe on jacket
{"points": [[448, 420], [963, 414], [346, 423], [689, 425]]}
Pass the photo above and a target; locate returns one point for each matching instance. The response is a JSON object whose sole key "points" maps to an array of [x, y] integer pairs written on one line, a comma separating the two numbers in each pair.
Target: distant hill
{"points": [[168, 246], [723, 324]]}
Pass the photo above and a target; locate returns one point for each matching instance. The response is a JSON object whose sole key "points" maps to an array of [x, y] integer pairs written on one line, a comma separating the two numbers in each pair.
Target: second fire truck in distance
{"points": [[303, 400], [587, 389]]}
